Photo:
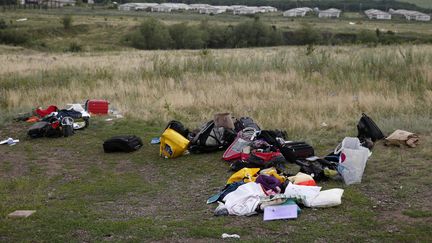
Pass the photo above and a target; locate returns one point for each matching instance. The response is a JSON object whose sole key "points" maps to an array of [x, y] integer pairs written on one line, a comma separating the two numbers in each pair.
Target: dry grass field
{"points": [[282, 87]]}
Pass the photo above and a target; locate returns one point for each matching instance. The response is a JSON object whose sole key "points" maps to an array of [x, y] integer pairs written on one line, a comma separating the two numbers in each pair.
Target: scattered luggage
{"points": [[97, 107], [127, 143], [401, 137], [245, 122]]}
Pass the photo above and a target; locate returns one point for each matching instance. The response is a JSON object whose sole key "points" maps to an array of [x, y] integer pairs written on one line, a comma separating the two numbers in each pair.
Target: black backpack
{"points": [[122, 144], [245, 122], [367, 128], [211, 138], [178, 127]]}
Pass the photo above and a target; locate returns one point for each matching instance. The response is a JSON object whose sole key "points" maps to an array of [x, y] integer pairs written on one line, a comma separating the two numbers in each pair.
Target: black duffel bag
{"points": [[128, 143]]}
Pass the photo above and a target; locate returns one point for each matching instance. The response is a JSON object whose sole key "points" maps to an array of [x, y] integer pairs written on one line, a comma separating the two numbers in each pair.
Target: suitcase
{"points": [[172, 144], [39, 129], [97, 107], [293, 151], [122, 144]]}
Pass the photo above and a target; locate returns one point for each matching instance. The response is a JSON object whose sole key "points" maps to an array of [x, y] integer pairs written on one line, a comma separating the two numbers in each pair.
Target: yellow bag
{"points": [[245, 174], [172, 144], [272, 172]]}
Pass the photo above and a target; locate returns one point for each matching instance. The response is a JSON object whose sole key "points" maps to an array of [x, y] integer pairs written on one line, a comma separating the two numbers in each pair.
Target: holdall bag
{"points": [[126, 143], [178, 127], [367, 128]]}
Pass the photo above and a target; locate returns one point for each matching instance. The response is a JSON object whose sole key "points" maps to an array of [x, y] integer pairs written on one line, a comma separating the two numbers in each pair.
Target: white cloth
{"points": [[304, 193], [244, 200], [328, 198]]}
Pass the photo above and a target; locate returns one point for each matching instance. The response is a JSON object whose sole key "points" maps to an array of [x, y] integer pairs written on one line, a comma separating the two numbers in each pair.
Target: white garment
{"points": [[244, 200]]}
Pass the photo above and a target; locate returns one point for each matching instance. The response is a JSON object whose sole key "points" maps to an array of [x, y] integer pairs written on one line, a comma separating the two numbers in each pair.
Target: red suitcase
{"points": [[97, 107]]}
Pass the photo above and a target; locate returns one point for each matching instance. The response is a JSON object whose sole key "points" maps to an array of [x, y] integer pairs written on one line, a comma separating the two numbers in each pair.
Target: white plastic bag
{"points": [[328, 198], [352, 160]]}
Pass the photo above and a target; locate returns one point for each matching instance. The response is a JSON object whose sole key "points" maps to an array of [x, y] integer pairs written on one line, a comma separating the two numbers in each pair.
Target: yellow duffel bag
{"points": [[172, 144]]}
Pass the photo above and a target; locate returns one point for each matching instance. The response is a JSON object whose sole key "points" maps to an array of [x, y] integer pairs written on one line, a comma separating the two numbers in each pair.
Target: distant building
{"points": [[377, 14], [329, 13], [211, 10], [411, 15], [161, 8], [297, 12], [245, 10]]}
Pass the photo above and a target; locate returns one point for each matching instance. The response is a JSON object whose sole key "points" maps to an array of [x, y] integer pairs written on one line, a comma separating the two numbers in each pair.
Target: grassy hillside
{"points": [[421, 3], [99, 30], [82, 194]]}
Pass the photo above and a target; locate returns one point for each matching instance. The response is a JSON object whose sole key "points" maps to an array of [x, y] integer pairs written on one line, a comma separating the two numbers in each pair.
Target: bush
{"points": [[367, 37], [188, 37], [67, 22], [3, 24], [152, 34], [74, 47], [306, 35], [13, 37]]}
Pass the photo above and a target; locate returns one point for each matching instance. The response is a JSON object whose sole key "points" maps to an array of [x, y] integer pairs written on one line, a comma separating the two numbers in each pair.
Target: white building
{"points": [[297, 12], [245, 10], [329, 13], [161, 8], [411, 15], [377, 14]]}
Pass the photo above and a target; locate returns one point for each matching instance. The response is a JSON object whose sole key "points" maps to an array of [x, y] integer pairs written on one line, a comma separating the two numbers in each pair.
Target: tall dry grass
{"points": [[279, 87]]}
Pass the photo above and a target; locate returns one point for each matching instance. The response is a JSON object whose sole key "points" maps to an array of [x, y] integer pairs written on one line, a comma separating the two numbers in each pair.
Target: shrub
{"points": [[367, 37], [187, 37], [152, 34], [306, 35], [67, 22]]}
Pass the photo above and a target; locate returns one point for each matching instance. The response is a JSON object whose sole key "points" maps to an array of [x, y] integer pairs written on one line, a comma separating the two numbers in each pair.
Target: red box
{"points": [[97, 107]]}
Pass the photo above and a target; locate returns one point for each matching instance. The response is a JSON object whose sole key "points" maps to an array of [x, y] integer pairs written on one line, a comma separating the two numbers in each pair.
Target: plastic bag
{"points": [[352, 160], [328, 198]]}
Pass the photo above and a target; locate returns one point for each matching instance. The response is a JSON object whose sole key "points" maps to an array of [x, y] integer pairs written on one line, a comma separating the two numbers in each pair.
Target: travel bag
{"points": [[245, 122], [127, 143], [172, 144], [39, 129], [293, 151]]}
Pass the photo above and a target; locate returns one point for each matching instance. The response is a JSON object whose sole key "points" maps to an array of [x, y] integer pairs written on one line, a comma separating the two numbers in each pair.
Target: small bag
{"points": [[178, 127], [122, 144]]}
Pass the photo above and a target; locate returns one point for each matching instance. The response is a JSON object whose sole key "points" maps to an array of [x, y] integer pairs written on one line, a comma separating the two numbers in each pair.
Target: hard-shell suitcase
{"points": [[98, 107], [127, 143], [39, 129], [172, 144]]}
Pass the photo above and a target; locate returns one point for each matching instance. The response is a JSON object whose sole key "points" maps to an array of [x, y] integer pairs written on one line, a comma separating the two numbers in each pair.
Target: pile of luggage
{"points": [[259, 158], [55, 122]]}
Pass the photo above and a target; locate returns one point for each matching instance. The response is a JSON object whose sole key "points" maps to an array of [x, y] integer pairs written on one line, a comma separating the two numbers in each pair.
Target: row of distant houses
{"points": [[301, 12], [200, 8], [371, 13]]}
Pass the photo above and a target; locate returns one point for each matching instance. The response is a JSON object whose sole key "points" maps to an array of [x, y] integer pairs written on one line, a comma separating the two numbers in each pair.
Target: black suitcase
{"points": [[367, 128], [294, 151], [39, 129], [122, 144]]}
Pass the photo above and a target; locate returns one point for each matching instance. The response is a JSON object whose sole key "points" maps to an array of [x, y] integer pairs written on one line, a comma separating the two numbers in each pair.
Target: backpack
{"points": [[245, 122], [178, 127], [367, 128], [211, 138]]}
